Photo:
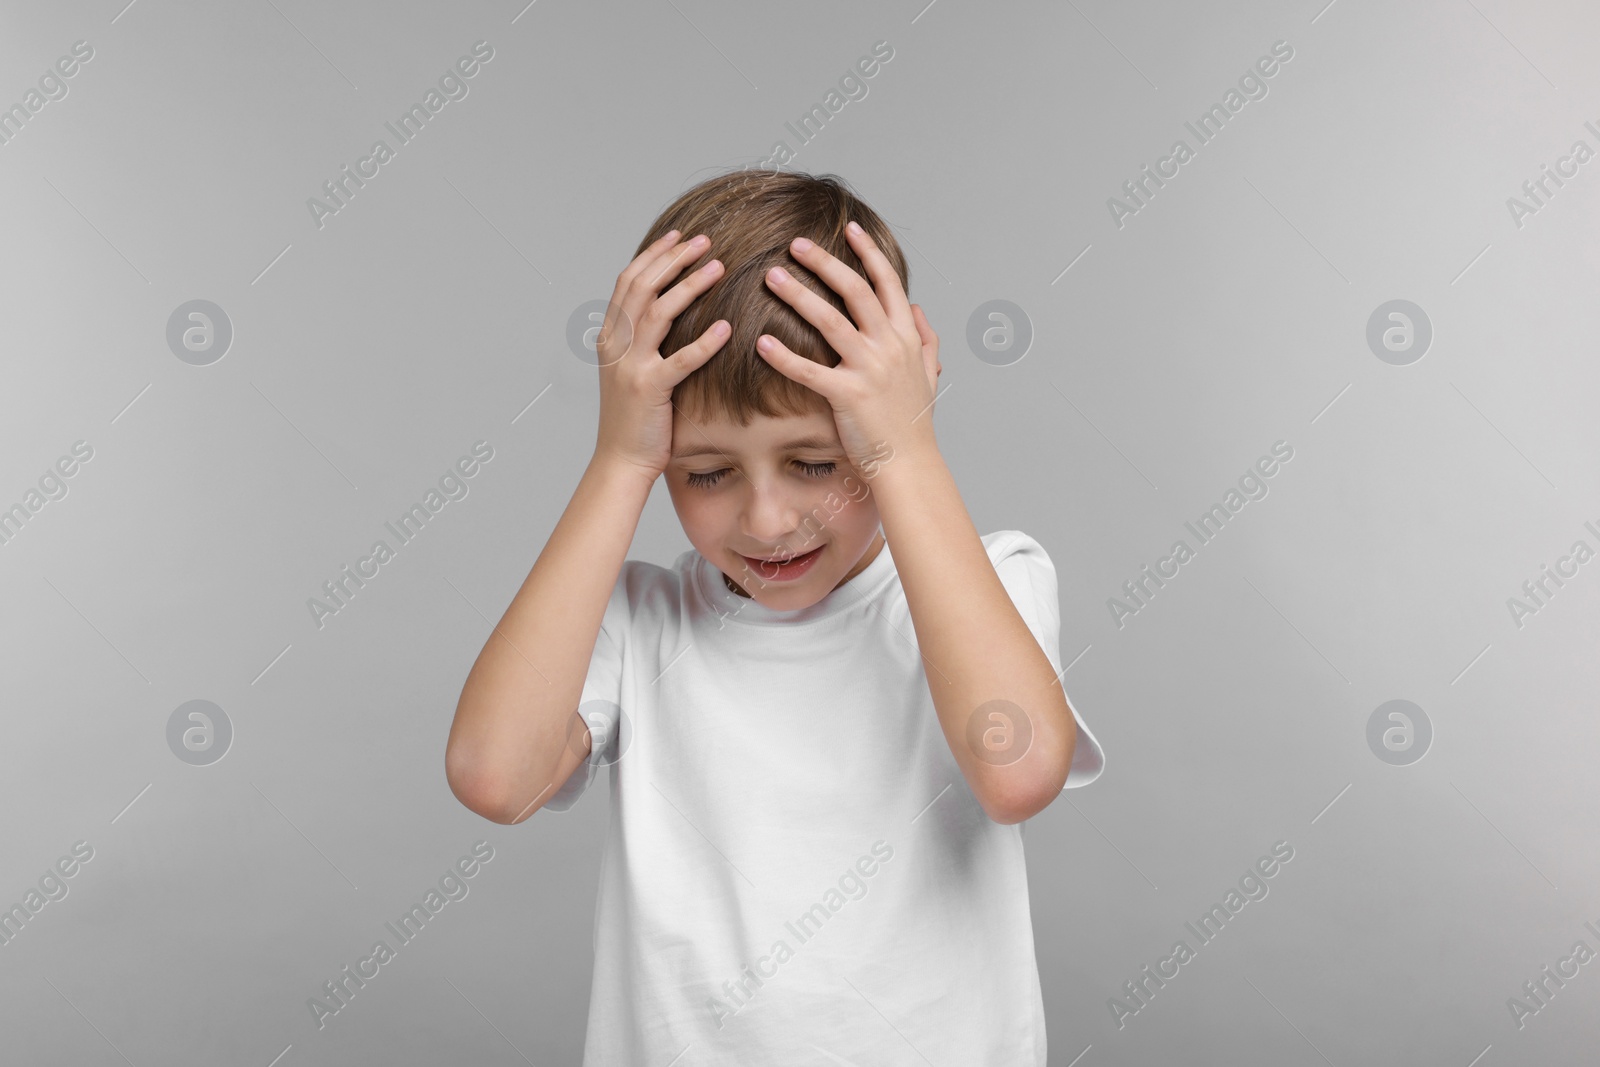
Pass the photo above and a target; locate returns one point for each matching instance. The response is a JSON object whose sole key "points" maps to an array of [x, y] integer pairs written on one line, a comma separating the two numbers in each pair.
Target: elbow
{"points": [[1018, 802], [1018, 809], [1022, 800], [479, 795], [492, 806]]}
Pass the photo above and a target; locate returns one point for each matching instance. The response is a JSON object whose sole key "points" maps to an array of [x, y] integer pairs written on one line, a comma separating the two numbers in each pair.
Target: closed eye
{"points": [[710, 478]]}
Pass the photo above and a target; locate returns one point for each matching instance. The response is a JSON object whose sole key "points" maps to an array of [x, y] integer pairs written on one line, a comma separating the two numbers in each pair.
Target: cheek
{"points": [[683, 503], [858, 509], [699, 513]]}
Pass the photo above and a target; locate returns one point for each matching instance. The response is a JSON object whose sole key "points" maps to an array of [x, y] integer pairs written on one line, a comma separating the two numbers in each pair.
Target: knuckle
{"points": [[650, 277]]}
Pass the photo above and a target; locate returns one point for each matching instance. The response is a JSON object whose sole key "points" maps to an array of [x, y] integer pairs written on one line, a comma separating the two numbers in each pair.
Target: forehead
{"points": [[765, 435]]}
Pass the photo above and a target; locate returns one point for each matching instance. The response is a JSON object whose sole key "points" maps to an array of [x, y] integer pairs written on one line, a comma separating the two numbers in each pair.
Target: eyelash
{"points": [[813, 470]]}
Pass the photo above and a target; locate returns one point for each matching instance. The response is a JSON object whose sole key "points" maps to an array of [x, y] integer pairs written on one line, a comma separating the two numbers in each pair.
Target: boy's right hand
{"points": [[635, 382]]}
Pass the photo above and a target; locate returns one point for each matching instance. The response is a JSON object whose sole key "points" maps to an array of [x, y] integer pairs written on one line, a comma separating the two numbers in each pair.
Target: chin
{"points": [[792, 599]]}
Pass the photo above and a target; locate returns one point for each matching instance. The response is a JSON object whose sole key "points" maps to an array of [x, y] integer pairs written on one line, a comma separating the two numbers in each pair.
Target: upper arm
{"points": [[592, 732], [1029, 576]]}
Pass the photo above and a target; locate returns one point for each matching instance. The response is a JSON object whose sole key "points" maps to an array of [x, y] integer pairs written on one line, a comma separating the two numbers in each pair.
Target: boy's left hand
{"points": [[883, 388]]}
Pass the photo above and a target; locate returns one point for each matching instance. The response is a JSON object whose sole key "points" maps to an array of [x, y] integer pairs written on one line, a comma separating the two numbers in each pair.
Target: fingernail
{"points": [[802, 245], [764, 343], [855, 230], [778, 274]]}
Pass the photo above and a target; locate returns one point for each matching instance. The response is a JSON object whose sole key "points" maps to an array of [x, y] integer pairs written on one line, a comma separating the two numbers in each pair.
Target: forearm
{"points": [[514, 721], [976, 648]]}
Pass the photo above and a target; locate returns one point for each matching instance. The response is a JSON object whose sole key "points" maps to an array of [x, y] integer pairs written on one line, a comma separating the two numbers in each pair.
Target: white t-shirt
{"points": [[795, 870]]}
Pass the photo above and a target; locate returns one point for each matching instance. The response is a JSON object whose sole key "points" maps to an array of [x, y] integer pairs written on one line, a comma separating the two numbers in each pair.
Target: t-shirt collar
{"points": [[746, 609]]}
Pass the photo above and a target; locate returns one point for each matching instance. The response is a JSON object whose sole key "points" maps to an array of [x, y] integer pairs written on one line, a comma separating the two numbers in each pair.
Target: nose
{"points": [[770, 514]]}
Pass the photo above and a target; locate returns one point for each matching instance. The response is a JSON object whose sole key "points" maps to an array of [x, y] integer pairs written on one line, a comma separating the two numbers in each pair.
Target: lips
{"points": [[783, 568], [779, 559]]}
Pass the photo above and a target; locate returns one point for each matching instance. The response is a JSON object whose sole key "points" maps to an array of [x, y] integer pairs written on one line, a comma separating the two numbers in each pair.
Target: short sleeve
{"points": [[1029, 577], [600, 702]]}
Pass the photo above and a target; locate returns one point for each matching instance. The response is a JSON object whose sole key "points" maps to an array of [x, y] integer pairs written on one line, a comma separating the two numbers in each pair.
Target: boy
{"points": [[820, 751]]}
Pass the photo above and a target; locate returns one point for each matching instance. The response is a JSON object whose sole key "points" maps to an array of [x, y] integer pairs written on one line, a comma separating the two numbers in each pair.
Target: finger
{"points": [[658, 272], [834, 325], [885, 279], [682, 363], [859, 298], [651, 253], [629, 301], [672, 262], [657, 318], [791, 365], [652, 315]]}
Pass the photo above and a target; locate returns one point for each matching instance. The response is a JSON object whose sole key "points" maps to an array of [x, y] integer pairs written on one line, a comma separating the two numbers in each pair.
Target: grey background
{"points": [[370, 354]]}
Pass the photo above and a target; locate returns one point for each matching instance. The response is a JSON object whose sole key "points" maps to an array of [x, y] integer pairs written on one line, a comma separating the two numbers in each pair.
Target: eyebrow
{"points": [[813, 441]]}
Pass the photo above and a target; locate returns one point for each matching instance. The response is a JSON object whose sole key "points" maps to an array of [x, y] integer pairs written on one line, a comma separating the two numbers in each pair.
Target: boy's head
{"points": [[741, 492]]}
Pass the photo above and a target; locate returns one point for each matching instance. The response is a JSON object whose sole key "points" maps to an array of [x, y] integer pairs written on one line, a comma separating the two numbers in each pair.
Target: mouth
{"points": [[783, 568]]}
